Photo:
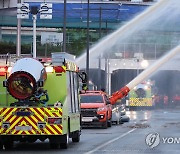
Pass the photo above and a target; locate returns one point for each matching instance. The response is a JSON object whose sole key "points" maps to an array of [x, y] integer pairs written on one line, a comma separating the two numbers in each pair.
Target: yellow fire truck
{"points": [[40, 101], [140, 96]]}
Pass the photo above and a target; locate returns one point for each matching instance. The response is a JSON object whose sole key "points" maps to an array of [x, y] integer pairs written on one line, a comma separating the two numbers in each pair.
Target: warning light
{"points": [[59, 69], [3, 70], [49, 69]]}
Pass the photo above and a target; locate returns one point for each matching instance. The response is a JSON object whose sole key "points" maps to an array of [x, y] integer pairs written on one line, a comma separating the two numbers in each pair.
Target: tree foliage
{"points": [[76, 43]]}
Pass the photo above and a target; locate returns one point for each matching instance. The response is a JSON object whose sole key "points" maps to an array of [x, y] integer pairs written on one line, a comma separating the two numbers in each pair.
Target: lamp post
{"points": [[34, 35], [18, 46], [64, 28], [87, 53], [34, 12], [100, 21]]}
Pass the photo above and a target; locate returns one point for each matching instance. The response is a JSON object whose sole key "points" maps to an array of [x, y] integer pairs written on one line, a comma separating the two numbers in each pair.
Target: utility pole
{"points": [[106, 27], [99, 74], [87, 56], [34, 12], [18, 46], [100, 21], [64, 28]]}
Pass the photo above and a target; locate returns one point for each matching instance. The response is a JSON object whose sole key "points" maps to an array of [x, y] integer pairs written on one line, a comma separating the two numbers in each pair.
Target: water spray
{"points": [[146, 73], [123, 31]]}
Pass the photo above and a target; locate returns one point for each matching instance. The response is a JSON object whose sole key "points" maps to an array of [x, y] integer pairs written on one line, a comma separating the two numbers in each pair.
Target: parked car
{"points": [[119, 114]]}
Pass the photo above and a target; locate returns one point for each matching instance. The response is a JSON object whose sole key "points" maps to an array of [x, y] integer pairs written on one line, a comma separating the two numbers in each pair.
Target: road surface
{"points": [[128, 138]]}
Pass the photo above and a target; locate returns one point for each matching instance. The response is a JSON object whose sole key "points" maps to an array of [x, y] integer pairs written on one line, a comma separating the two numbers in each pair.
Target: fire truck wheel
{"points": [[76, 137], [54, 145], [1, 146], [66, 143], [54, 142]]}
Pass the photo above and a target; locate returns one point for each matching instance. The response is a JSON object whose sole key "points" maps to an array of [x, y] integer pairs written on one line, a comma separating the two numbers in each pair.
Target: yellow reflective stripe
{"points": [[12, 119], [13, 131], [58, 128], [31, 123], [15, 123], [33, 131], [56, 112], [20, 132], [140, 102], [38, 114], [10, 114], [54, 132], [5, 112], [47, 132], [35, 119]]}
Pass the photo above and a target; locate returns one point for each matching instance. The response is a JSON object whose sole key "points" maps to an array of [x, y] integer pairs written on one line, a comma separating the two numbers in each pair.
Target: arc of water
{"points": [[121, 31], [152, 68]]}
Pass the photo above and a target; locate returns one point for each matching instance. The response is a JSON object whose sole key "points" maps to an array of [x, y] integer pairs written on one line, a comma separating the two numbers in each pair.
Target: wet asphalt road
{"points": [[128, 138]]}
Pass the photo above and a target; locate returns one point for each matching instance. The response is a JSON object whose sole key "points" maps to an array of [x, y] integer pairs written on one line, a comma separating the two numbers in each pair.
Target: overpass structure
{"points": [[110, 13]]}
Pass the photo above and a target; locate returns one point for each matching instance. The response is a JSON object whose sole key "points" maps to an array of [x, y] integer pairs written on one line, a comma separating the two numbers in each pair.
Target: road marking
{"points": [[111, 141]]}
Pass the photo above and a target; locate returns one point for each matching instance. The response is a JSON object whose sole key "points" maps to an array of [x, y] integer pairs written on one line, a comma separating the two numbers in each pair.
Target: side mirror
{"points": [[83, 77]]}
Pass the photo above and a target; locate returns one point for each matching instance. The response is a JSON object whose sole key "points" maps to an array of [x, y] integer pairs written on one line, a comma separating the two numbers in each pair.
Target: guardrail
{"points": [[4, 56]]}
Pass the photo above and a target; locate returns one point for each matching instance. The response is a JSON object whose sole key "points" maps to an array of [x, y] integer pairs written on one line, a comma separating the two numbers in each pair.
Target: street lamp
{"points": [[64, 28], [87, 53], [144, 64], [34, 12]]}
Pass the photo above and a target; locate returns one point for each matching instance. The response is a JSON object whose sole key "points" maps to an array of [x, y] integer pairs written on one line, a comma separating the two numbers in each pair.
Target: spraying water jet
{"points": [[146, 73], [124, 31]]}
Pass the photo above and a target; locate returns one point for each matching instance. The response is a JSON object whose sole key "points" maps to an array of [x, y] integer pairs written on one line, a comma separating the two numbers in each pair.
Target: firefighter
{"points": [[165, 101]]}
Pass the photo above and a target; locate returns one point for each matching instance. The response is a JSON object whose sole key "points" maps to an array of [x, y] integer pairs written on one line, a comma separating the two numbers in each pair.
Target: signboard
{"points": [[46, 11], [23, 11]]}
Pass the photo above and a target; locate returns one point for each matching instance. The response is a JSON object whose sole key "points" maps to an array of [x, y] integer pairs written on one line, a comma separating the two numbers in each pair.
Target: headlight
{"points": [[101, 109]]}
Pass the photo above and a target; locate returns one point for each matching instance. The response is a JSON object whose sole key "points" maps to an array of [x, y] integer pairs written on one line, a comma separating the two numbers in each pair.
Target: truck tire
{"points": [[54, 145], [105, 124], [76, 137], [117, 122], [8, 145], [109, 123], [54, 142], [1, 146], [66, 143]]}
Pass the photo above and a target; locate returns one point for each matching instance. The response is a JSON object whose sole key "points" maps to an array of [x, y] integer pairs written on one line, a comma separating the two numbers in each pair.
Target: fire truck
{"points": [[40, 101], [140, 96]]}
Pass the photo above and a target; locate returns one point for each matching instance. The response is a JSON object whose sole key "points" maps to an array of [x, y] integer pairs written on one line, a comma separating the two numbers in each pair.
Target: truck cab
{"points": [[96, 109]]}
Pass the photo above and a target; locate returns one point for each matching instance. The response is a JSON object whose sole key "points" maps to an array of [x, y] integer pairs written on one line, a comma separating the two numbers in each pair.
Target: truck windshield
{"points": [[91, 99]]}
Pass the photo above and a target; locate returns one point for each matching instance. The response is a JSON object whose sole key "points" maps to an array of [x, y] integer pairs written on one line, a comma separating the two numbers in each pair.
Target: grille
{"points": [[88, 112]]}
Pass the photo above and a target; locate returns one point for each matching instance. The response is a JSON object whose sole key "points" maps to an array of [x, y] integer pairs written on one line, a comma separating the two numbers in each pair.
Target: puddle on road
{"points": [[172, 124], [143, 120], [142, 126]]}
